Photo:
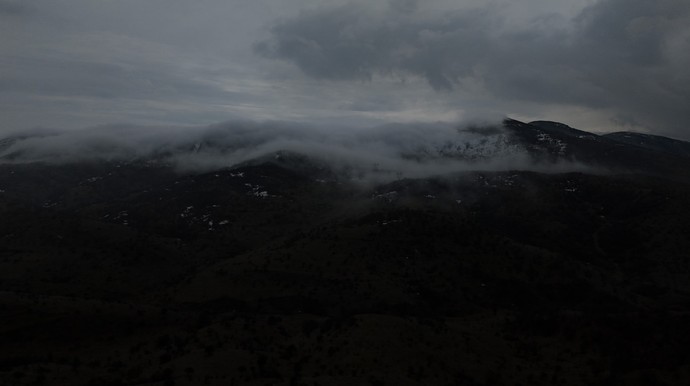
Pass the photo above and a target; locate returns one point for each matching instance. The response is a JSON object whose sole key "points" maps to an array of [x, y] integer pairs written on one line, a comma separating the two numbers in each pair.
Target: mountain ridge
{"points": [[511, 144]]}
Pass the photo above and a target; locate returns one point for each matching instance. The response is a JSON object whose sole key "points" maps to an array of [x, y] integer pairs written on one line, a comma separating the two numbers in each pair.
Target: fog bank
{"points": [[388, 151]]}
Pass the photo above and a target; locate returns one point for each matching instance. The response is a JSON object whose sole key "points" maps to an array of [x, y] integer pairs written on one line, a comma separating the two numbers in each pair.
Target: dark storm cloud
{"points": [[351, 42], [630, 57]]}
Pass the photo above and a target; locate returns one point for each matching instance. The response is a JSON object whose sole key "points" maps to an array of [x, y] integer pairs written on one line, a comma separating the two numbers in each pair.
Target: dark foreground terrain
{"points": [[277, 273]]}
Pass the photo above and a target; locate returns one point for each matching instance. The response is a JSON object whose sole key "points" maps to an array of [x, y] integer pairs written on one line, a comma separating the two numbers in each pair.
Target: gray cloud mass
{"points": [[600, 65], [631, 57]]}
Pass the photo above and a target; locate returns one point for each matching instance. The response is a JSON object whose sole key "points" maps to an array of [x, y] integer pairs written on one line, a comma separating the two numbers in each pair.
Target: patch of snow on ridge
{"points": [[256, 191], [552, 143], [467, 146]]}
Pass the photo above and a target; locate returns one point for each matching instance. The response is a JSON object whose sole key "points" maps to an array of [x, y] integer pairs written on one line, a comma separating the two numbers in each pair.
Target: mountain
{"points": [[612, 152], [289, 267], [653, 143]]}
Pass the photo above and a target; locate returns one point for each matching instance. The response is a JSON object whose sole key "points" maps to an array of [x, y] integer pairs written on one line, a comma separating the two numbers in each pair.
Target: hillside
{"points": [[286, 269]]}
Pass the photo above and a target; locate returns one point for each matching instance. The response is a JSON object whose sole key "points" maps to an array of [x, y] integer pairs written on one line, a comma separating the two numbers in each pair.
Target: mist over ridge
{"points": [[382, 152]]}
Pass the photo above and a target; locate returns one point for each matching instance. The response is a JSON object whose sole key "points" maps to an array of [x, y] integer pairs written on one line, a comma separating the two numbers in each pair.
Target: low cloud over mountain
{"points": [[391, 150]]}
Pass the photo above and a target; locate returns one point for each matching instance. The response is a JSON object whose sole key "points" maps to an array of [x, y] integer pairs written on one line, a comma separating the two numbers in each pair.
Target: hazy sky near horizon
{"points": [[601, 65]]}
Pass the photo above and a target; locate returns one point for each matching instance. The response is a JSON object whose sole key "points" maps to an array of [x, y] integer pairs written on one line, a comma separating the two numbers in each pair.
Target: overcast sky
{"points": [[602, 65]]}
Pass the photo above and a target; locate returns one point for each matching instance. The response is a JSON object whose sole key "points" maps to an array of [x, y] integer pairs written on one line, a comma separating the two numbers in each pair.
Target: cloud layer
{"points": [[601, 65], [628, 57], [383, 152]]}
